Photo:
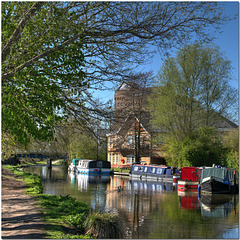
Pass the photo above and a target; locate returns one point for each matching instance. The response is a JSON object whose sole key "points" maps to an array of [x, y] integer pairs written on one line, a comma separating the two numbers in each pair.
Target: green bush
{"points": [[104, 225], [201, 148], [77, 221]]}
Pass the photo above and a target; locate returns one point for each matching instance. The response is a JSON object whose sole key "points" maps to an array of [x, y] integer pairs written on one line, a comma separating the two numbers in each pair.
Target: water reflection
{"points": [[149, 209], [217, 206], [188, 200]]}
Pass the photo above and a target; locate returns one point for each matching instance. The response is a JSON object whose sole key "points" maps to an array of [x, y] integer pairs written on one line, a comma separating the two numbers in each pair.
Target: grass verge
{"points": [[123, 170]]}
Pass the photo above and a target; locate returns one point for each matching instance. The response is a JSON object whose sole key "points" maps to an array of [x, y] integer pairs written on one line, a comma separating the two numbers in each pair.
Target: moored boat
{"points": [[93, 166], [189, 179], [153, 172], [217, 180], [73, 166]]}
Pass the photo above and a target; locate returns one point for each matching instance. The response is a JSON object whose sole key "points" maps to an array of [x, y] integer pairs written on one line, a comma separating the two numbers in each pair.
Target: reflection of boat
{"points": [[153, 172], [189, 179], [152, 186], [188, 200], [215, 199], [85, 179], [216, 180], [216, 206], [90, 166]]}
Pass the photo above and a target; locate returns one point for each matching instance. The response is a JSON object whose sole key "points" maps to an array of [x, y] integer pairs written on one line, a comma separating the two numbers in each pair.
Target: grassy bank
{"points": [[123, 170], [68, 218]]}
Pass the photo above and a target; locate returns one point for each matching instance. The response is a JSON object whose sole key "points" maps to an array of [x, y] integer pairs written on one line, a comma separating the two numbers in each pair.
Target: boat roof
{"points": [[161, 166], [222, 173]]}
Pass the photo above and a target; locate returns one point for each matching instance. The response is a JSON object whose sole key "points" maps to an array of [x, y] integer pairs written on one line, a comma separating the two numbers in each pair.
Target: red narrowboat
{"points": [[189, 179]]}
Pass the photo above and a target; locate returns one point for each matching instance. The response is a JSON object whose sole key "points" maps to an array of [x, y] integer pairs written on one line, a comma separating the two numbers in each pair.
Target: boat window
{"points": [[99, 164], [140, 169], [153, 170], [145, 170], [135, 168], [159, 170]]}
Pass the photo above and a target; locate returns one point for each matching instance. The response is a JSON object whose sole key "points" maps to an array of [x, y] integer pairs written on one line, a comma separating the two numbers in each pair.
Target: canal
{"points": [[149, 210]]}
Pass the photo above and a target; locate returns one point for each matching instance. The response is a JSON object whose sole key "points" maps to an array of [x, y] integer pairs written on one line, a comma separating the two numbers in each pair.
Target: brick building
{"points": [[131, 134]]}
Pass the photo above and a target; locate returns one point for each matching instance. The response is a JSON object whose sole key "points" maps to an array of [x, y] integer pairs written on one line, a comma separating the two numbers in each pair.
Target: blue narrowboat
{"points": [[154, 172]]}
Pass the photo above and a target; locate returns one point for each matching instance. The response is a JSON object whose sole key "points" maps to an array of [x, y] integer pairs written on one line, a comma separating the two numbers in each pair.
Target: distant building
{"points": [[131, 134]]}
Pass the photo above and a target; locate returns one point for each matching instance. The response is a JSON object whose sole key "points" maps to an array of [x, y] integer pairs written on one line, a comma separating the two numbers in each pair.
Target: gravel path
{"points": [[20, 214]]}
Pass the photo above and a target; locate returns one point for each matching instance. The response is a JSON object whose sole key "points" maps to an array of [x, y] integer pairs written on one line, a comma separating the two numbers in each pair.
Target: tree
{"points": [[55, 53], [42, 64], [201, 148], [231, 142], [193, 91]]}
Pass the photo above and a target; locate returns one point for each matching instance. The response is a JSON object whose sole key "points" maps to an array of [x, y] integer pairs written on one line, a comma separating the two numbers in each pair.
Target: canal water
{"points": [[149, 210]]}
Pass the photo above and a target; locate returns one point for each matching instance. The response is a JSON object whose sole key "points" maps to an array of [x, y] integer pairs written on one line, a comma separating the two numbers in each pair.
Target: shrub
{"points": [[104, 225], [77, 221]]}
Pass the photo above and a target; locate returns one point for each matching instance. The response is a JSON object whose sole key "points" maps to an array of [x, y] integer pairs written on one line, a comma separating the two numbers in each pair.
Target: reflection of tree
{"points": [[184, 223]]}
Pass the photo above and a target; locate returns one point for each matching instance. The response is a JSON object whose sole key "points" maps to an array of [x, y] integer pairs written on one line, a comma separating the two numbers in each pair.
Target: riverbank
{"points": [[21, 217], [64, 217]]}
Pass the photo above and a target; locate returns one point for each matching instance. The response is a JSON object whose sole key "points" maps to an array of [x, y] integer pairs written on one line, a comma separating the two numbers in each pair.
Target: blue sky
{"points": [[227, 40]]}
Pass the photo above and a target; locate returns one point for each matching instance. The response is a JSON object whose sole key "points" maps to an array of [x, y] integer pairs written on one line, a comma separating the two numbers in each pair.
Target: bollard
{"points": [[49, 163]]}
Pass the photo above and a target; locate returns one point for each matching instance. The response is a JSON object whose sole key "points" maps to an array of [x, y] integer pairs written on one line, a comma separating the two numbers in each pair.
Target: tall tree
{"points": [[193, 90], [55, 53]]}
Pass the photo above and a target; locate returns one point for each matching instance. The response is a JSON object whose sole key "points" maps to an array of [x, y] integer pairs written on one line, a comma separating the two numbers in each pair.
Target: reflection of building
{"points": [[137, 200]]}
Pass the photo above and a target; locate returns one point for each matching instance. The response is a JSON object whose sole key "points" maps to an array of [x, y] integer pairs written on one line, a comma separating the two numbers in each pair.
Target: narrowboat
{"points": [[73, 166], [93, 166], [216, 180], [189, 179], [153, 172]]}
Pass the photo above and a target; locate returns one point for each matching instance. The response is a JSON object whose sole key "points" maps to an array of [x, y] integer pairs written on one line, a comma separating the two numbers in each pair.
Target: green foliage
{"points": [[104, 225], [76, 220], [38, 69], [33, 181], [232, 159], [202, 148], [68, 236], [63, 205], [46, 45], [231, 142], [193, 90]]}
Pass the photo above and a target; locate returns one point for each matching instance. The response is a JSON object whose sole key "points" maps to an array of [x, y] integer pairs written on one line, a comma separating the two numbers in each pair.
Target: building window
{"points": [[130, 159], [131, 141], [116, 158]]}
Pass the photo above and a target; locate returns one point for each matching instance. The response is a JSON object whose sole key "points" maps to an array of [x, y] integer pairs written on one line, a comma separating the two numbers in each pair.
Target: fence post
{"points": [[49, 163]]}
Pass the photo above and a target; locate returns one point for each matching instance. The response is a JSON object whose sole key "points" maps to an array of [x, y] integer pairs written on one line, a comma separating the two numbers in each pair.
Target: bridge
{"points": [[32, 155], [14, 159]]}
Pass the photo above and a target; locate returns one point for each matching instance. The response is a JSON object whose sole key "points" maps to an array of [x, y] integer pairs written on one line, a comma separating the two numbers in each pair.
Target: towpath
{"points": [[21, 218]]}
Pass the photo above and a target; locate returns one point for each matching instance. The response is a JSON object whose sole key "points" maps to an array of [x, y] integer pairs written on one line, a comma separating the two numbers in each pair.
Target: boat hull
{"points": [[214, 186], [176, 178], [154, 177], [153, 172], [93, 170], [187, 185]]}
